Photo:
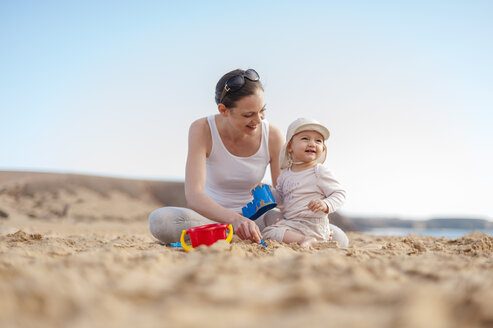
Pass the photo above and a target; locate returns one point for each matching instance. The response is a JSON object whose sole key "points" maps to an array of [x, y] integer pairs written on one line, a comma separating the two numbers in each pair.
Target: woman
{"points": [[228, 154]]}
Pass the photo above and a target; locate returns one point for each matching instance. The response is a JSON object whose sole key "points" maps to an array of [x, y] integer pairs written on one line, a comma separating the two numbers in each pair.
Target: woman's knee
{"points": [[164, 223], [339, 236]]}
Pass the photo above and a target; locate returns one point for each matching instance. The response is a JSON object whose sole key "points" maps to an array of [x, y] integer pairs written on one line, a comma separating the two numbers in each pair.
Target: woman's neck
{"points": [[237, 143], [228, 131]]}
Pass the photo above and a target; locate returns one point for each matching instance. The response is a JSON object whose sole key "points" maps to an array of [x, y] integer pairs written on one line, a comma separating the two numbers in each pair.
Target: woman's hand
{"points": [[247, 229], [318, 205]]}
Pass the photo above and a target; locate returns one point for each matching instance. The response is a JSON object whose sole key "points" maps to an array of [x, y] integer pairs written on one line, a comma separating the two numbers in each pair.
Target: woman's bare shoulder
{"points": [[200, 134], [199, 123], [200, 127]]}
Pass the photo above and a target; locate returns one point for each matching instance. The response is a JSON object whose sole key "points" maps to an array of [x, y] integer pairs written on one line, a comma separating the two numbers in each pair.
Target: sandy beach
{"points": [[75, 251]]}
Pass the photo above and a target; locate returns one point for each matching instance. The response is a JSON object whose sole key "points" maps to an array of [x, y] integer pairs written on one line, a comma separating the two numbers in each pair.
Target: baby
{"points": [[307, 190]]}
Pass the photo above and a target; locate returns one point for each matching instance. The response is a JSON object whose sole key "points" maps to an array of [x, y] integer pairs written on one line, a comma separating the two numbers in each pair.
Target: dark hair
{"points": [[231, 97]]}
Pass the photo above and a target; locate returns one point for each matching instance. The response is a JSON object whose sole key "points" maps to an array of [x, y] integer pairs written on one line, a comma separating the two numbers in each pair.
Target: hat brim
{"points": [[313, 127]]}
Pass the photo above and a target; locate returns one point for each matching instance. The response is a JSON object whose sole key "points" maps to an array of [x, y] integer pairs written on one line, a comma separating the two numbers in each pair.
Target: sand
{"points": [[95, 264]]}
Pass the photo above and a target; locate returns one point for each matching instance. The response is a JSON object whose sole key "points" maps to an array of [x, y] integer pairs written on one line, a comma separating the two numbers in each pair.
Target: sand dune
{"points": [[94, 264], [48, 196]]}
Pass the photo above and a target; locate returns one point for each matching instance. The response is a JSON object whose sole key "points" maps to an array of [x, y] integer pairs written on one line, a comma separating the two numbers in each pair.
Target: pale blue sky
{"points": [[110, 87]]}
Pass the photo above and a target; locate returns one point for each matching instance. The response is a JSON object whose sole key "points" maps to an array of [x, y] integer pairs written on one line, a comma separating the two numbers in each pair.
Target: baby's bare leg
{"points": [[302, 240]]}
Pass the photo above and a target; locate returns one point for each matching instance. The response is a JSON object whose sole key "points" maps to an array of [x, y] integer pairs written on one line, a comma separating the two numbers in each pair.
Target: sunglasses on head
{"points": [[238, 81]]}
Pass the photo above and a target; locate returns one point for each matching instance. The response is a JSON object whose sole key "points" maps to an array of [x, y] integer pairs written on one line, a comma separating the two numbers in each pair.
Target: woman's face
{"points": [[248, 113]]}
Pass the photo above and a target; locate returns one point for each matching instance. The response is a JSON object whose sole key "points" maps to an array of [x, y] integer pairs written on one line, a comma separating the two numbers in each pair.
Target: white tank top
{"points": [[230, 178]]}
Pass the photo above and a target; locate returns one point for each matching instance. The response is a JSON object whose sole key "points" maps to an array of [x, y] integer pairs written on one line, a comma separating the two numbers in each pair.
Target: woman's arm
{"points": [[199, 143], [276, 140]]}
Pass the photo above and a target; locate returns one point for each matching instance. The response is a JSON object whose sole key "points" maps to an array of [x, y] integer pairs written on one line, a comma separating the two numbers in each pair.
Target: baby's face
{"points": [[306, 147]]}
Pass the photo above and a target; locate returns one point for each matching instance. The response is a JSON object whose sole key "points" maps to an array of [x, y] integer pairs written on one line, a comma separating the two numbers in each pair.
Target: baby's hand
{"points": [[318, 205]]}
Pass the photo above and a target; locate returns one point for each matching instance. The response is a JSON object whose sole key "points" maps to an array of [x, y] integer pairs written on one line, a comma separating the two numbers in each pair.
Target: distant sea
{"points": [[448, 233]]}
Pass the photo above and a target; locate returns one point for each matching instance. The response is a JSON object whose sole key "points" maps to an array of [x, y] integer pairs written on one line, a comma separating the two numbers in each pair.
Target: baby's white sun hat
{"points": [[299, 125]]}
